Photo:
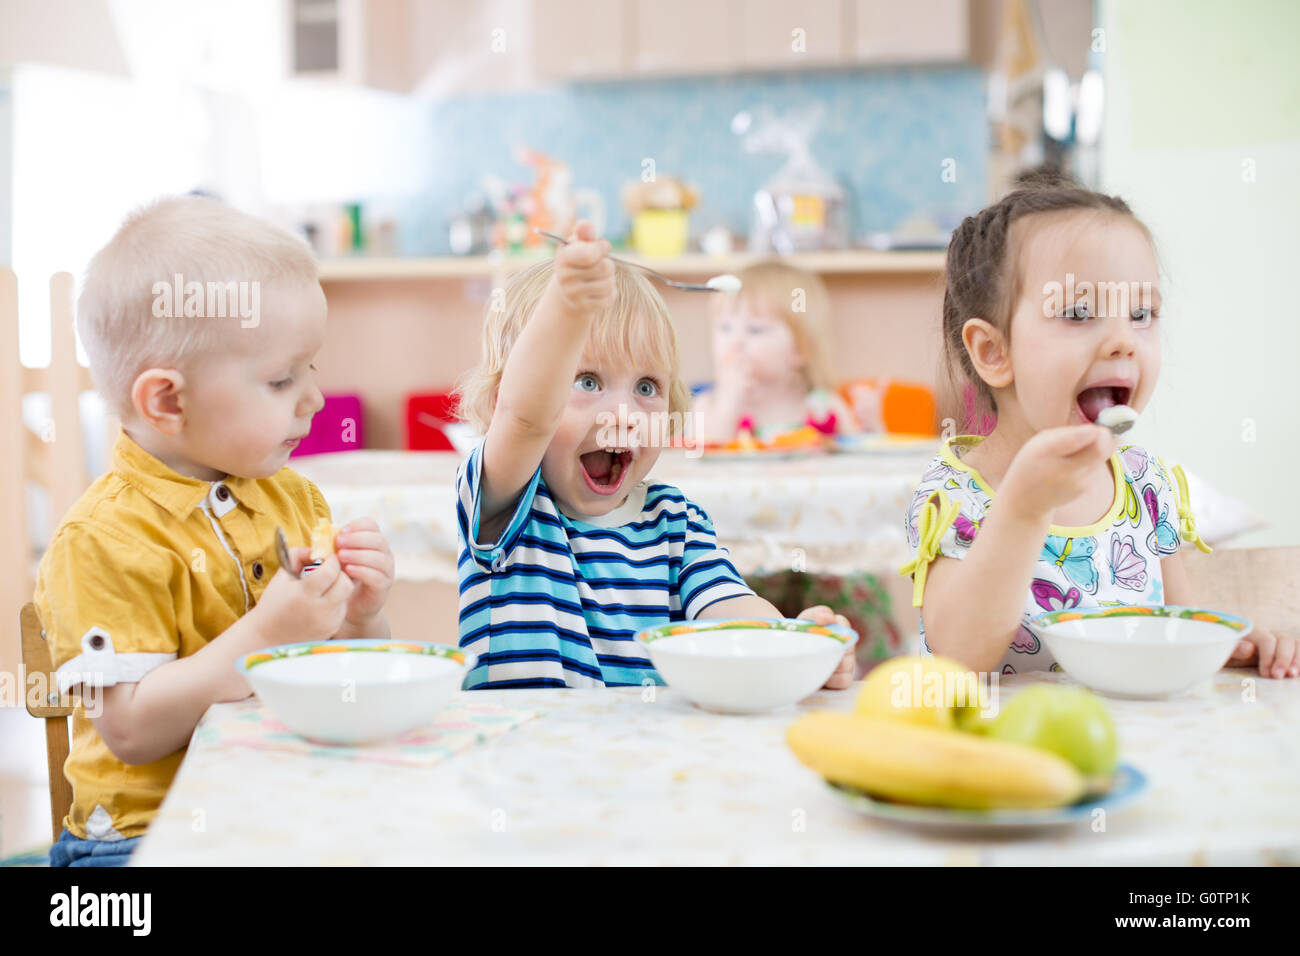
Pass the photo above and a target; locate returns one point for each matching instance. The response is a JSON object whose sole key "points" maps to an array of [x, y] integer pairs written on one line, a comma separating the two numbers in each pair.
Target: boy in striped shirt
{"points": [[566, 550]]}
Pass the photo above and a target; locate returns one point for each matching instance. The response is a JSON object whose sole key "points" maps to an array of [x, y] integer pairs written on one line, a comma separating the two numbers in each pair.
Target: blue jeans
{"points": [[71, 850]]}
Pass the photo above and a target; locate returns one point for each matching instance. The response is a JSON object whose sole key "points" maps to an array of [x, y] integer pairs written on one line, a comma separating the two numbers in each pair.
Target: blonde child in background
{"points": [[567, 549], [1052, 311], [772, 359], [164, 573], [772, 367]]}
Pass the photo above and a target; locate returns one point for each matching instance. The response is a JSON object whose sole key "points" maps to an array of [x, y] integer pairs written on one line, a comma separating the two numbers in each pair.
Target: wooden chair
{"points": [[54, 460], [1256, 583], [45, 702]]}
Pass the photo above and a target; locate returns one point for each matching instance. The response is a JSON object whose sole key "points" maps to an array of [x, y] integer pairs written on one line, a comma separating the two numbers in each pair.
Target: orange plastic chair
{"points": [[906, 408]]}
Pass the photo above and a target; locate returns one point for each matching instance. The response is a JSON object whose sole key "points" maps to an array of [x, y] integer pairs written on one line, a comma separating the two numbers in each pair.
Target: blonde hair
{"points": [[775, 287], [637, 324], [201, 240]]}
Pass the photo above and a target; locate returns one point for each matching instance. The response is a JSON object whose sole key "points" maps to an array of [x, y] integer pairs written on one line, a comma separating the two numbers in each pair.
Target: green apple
{"points": [[1068, 721]]}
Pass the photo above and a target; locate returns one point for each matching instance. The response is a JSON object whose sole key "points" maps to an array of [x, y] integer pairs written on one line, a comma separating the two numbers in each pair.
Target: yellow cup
{"points": [[661, 233]]}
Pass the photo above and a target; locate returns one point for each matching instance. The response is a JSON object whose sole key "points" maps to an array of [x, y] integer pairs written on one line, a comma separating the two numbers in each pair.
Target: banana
{"points": [[917, 764]]}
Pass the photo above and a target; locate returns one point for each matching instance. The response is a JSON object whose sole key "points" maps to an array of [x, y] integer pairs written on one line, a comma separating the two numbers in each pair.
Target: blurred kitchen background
{"points": [[415, 143]]}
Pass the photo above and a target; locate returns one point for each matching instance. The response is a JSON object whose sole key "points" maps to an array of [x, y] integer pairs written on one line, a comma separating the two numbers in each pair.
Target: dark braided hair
{"points": [[980, 275]]}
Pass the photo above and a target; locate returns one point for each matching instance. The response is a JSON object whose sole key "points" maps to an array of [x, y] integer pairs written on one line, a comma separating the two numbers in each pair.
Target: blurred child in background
{"points": [[772, 346], [772, 359]]}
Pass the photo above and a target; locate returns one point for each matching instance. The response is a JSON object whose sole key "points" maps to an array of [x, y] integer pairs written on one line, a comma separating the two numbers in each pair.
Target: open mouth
{"points": [[1093, 400], [605, 469]]}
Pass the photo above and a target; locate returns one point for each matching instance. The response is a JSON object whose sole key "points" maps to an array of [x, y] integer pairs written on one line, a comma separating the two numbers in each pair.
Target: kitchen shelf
{"points": [[845, 262]]}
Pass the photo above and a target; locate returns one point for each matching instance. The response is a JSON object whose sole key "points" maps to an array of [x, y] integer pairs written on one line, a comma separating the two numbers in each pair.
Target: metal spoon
{"points": [[1118, 418], [282, 551], [685, 286]]}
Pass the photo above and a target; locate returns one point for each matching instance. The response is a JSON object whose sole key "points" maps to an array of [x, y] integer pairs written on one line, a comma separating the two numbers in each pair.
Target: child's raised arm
{"points": [[538, 376], [973, 607]]}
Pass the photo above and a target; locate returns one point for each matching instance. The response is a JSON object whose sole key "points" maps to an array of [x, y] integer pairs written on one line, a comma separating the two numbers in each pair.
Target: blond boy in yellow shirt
{"points": [[164, 572]]}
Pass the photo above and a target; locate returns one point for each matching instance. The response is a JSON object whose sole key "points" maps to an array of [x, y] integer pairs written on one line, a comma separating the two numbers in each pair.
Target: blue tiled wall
{"points": [[885, 134]]}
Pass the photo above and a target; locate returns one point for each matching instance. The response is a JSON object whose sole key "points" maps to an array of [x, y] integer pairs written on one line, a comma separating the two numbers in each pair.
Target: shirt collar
{"points": [[628, 511], [179, 494]]}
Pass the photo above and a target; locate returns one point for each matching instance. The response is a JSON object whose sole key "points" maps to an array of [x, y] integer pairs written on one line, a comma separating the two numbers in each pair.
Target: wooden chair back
{"points": [[54, 459], [1262, 584], [45, 702]]}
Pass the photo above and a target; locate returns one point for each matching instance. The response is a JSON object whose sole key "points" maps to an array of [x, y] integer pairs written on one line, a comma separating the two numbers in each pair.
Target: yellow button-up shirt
{"points": [[148, 566]]}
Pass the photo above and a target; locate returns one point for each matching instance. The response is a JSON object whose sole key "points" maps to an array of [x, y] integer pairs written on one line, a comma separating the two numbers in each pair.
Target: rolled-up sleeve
{"points": [[107, 607]]}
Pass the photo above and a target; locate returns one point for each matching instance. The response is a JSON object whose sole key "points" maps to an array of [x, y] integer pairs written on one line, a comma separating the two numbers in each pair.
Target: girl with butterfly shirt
{"points": [[1050, 312]]}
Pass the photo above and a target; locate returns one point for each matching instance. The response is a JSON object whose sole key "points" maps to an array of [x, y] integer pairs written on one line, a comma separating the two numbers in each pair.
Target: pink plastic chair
{"points": [[339, 426]]}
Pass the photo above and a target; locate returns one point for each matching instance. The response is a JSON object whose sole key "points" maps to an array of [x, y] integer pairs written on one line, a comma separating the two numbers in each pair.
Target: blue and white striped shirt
{"points": [[555, 602]]}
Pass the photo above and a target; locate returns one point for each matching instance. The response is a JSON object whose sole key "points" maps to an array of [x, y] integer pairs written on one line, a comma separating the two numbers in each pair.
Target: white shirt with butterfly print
{"points": [[1114, 561]]}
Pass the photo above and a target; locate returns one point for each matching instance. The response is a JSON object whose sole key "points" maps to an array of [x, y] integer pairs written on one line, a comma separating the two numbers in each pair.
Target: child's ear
{"points": [[156, 398], [988, 351]]}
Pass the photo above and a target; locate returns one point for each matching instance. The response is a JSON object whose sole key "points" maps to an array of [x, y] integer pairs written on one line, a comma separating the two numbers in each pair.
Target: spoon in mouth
{"points": [[1118, 418]]}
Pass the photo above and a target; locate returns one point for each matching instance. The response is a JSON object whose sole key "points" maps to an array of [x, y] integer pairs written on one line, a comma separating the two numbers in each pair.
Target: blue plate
{"points": [[1130, 783]]}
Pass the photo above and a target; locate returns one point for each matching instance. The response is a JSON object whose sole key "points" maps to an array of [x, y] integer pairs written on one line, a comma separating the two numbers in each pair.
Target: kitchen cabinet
{"points": [[685, 36], [778, 34], [363, 42], [919, 31], [445, 46], [581, 39]]}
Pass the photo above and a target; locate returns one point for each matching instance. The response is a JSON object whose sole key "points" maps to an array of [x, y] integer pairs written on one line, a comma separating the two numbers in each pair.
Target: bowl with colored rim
{"points": [[746, 665], [355, 691], [1143, 651]]}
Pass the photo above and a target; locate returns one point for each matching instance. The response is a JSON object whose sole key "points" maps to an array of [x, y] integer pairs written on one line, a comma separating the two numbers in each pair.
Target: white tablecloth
{"points": [[832, 514], [614, 777]]}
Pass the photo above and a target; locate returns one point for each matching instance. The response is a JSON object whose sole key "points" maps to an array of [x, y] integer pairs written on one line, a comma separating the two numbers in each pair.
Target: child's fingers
{"points": [[299, 557], [339, 590], [843, 675], [374, 560], [818, 614], [601, 290], [1293, 669], [370, 577], [359, 524], [361, 541], [1266, 643], [593, 279], [1099, 445], [1072, 439], [1243, 653], [583, 231], [322, 577], [374, 557], [586, 255], [1284, 657]]}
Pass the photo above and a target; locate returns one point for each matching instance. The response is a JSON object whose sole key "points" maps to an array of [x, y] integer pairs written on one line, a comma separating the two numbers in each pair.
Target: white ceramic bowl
{"points": [[745, 666], [1142, 651], [355, 692]]}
